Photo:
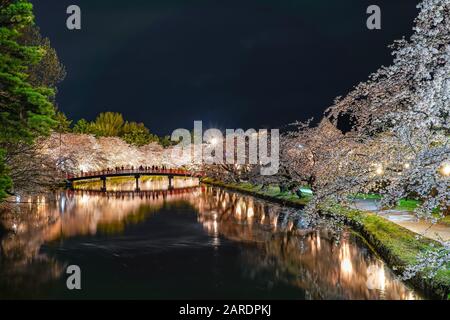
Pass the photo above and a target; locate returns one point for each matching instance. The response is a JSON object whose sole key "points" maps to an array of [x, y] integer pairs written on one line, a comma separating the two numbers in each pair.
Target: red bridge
{"points": [[136, 173]]}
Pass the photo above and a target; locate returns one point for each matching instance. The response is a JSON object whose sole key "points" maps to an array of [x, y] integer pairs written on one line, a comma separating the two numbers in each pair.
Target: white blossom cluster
{"points": [[398, 144], [429, 262], [74, 153], [402, 115]]}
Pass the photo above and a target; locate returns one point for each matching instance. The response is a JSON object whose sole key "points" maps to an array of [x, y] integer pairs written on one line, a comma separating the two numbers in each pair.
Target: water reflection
{"points": [[39, 220], [307, 258], [145, 183], [276, 247]]}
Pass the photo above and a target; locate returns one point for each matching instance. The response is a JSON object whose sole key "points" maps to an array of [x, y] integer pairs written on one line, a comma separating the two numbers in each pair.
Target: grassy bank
{"points": [[272, 193], [446, 221], [398, 246]]}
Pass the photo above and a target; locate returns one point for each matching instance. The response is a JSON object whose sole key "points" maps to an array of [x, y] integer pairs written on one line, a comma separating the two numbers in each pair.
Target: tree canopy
{"points": [[112, 124], [26, 110]]}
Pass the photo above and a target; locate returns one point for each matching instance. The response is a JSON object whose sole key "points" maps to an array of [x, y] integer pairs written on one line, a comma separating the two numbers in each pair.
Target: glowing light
{"points": [[376, 277], [318, 241], [346, 266], [238, 210], [250, 212], [407, 166], [84, 200], [214, 141], [346, 262], [379, 171], [63, 204], [411, 296], [445, 169]]}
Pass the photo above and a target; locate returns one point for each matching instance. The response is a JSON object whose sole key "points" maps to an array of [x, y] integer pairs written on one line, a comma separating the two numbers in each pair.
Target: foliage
{"points": [[166, 141], [26, 110], [5, 179], [73, 152], [112, 124], [272, 193], [108, 124], [430, 262], [400, 139], [137, 134], [83, 127], [402, 115], [31, 170], [63, 124], [399, 142], [49, 72], [402, 248]]}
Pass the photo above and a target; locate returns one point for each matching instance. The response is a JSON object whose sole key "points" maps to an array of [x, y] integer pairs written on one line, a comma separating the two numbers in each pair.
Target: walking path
{"points": [[439, 232]]}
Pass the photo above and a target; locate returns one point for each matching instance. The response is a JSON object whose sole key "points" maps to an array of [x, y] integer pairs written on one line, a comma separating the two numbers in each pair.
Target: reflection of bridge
{"points": [[147, 194], [136, 173]]}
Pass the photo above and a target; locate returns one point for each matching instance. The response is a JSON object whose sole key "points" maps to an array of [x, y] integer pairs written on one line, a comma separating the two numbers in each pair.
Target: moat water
{"points": [[186, 243]]}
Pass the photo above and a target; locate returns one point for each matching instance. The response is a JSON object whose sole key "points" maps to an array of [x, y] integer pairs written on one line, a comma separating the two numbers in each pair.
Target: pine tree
{"points": [[82, 127], [26, 111], [63, 124], [108, 124], [5, 180]]}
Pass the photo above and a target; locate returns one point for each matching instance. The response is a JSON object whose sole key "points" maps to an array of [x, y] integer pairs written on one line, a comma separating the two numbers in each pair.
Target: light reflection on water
{"points": [[276, 258], [307, 258], [145, 183]]}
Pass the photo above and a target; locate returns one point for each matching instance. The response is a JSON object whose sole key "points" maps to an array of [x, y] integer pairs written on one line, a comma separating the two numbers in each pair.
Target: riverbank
{"points": [[439, 231], [397, 245]]}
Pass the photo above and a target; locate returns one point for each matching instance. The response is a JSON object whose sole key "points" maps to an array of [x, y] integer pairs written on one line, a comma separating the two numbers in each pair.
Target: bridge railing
{"points": [[113, 172]]}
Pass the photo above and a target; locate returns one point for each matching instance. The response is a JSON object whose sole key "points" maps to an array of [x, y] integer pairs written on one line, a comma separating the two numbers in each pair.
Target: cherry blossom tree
{"points": [[402, 115], [74, 153]]}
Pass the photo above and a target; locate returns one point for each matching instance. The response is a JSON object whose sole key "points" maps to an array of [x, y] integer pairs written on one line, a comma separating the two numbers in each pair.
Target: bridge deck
{"points": [[129, 173]]}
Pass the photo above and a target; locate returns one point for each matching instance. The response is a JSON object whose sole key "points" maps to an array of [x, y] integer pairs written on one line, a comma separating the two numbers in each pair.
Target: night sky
{"points": [[231, 63]]}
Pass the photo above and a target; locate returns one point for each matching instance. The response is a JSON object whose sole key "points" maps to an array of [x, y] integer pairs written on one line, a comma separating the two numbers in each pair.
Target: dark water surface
{"points": [[188, 243]]}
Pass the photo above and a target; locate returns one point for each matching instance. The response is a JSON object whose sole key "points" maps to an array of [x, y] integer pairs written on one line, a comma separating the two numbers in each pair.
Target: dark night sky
{"points": [[230, 63]]}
